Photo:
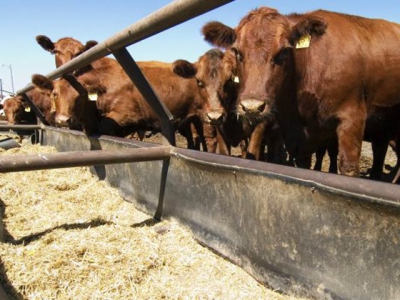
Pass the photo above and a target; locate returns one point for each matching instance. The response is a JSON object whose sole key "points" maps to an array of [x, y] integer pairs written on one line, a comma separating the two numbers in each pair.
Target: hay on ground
{"points": [[71, 236]]}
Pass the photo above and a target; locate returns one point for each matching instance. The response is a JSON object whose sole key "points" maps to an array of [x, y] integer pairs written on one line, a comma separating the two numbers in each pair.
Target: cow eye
{"points": [[282, 56], [199, 83], [238, 56]]}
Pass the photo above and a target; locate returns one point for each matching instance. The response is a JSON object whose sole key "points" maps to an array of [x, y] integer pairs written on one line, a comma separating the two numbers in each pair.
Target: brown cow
{"points": [[218, 89], [217, 93], [321, 73], [67, 48], [122, 106], [17, 111]]}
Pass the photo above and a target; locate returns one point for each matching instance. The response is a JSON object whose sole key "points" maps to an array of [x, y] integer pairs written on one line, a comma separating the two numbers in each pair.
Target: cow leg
{"points": [[256, 140], [197, 135], [319, 157], [350, 133], [333, 152], [244, 144], [303, 160], [396, 170], [210, 136], [223, 147], [379, 149]]}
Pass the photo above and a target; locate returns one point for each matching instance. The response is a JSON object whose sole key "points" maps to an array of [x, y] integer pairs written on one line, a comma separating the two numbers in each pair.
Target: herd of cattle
{"points": [[293, 84]]}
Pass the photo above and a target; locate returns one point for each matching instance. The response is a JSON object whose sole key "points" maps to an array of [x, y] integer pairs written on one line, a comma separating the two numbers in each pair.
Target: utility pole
{"points": [[1, 89], [12, 79]]}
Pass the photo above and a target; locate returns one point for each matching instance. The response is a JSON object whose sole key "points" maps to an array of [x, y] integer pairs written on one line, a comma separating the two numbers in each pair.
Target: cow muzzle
{"points": [[214, 117], [252, 107], [62, 120]]}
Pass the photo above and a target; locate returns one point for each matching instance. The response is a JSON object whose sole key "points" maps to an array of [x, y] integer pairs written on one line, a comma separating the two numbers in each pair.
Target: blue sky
{"points": [[22, 21]]}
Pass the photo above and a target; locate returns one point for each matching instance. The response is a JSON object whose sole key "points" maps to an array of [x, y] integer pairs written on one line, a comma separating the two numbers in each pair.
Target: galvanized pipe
{"points": [[19, 127], [16, 163], [170, 15]]}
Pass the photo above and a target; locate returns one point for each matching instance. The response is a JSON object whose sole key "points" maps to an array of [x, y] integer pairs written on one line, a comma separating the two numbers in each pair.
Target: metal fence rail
{"points": [[80, 158]]}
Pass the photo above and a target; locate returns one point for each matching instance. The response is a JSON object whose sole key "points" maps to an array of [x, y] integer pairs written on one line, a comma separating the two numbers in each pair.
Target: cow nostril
{"points": [[261, 107]]}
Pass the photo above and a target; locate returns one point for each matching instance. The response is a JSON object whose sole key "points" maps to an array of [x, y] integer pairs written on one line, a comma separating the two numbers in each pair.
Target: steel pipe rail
{"points": [[20, 127], [17, 163], [156, 22]]}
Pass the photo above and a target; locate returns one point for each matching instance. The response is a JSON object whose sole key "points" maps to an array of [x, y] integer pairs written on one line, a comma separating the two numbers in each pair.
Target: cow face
{"points": [[64, 49], [14, 110], [263, 47], [216, 83], [66, 103]]}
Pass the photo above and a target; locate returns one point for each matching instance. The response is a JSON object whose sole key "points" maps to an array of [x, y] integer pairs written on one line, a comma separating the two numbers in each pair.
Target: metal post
{"points": [[1, 89], [12, 79]]}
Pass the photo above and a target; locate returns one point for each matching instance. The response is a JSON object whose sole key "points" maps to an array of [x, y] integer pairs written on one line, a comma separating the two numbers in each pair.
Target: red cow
{"points": [[67, 48], [218, 89], [121, 105], [217, 93], [18, 111], [320, 73]]}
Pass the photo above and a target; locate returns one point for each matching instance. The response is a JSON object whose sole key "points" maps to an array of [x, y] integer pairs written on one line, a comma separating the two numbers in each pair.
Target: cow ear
{"points": [[184, 69], [310, 26], [89, 44], [219, 34], [45, 42], [42, 84]]}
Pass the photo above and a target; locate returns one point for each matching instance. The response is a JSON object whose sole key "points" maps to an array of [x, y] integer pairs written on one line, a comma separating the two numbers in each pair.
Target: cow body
{"points": [[122, 108], [321, 74], [112, 85]]}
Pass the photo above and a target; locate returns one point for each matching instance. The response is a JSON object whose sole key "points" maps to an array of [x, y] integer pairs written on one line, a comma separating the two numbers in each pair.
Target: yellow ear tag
{"points": [[304, 42], [236, 79], [93, 96], [27, 109]]}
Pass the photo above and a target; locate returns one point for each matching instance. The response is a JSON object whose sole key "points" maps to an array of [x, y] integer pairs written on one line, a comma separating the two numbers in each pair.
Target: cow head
{"points": [[216, 82], [70, 102], [64, 49], [262, 48], [66, 103], [14, 109]]}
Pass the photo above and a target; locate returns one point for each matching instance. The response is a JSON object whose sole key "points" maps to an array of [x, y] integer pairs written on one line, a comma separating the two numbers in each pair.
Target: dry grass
{"points": [[71, 236]]}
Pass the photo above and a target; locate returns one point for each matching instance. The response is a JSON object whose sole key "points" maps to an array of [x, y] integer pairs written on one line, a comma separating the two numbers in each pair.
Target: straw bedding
{"points": [[71, 236]]}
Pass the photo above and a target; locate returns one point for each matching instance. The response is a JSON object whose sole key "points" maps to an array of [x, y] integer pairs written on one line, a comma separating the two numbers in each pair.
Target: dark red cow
{"points": [[17, 111], [320, 73], [218, 89], [122, 107]]}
